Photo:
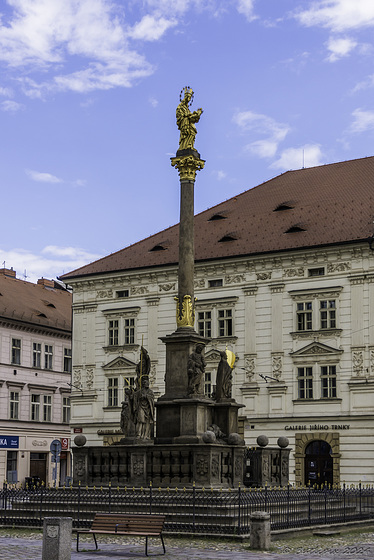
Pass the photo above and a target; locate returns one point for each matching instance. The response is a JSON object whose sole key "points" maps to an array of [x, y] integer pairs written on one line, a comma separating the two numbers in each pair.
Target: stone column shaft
{"points": [[186, 241]]}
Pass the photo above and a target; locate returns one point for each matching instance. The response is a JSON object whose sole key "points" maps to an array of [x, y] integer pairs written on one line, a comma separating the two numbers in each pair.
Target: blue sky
{"points": [[88, 92]]}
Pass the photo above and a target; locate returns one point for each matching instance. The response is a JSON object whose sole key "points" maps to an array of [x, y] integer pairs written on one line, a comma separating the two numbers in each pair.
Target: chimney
{"points": [[47, 283], [8, 272]]}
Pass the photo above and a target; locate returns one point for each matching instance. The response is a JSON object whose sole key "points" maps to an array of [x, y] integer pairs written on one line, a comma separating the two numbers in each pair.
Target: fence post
{"points": [[309, 503], [239, 509], [266, 496], [5, 498], [325, 491], [41, 504], [79, 504], [193, 506], [344, 504], [288, 504], [150, 496], [110, 498], [360, 494]]}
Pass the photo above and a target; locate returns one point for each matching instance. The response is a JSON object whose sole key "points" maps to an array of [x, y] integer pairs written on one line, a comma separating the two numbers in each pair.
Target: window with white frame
{"points": [[204, 323], [305, 382], [47, 408], [121, 327], [304, 316], [48, 356], [36, 355], [35, 408], [16, 351], [215, 318], [65, 410], [67, 360], [328, 314], [14, 405], [208, 384], [225, 324], [130, 331], [112, 391], [328, 382], [113, 330], [316, 310]]}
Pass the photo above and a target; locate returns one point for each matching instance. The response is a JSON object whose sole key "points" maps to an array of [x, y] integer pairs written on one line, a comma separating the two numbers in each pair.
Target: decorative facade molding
{"points": [[263, 275], [292, 272], [250, 366], [338, 267], [167, 287], [235, 279]]}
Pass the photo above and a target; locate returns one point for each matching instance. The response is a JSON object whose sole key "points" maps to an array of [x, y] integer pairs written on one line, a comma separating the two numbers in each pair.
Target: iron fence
{"points": [[208, 511]]}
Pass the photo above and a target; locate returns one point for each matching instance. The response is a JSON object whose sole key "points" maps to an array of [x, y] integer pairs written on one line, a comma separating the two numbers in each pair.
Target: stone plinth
{"points": [[202, 464], [260, 536], [179, 346], [226, 415], [269, 465], [183, 420]]}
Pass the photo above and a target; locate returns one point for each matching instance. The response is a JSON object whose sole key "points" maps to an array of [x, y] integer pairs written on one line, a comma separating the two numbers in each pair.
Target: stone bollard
{"points": [[57, 538], [259, 537]]}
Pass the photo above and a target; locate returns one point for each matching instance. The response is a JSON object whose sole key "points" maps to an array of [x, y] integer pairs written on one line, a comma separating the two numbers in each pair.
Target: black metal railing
{"points": [[192, 510]]}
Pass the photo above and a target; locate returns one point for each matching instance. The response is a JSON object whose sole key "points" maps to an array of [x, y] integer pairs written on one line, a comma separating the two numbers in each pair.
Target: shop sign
{"points": [[64, 443], [317, 427], [9, 442]]}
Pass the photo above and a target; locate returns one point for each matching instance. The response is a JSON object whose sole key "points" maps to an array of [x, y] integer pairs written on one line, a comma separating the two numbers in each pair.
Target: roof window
{"points": [[41, 315], [49, 304], [228, 237], [284, 206], [296, 228], [158, 247], [218, 216]]}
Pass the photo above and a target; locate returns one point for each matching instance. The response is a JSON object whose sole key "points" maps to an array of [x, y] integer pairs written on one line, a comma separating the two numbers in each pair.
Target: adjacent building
{"points": [[284, 277], [35, 379]]}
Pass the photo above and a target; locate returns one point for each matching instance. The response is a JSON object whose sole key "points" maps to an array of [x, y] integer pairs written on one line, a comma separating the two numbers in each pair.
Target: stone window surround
{"points": [[120, 314], [315, 295], [301, 442], [213, 305]]}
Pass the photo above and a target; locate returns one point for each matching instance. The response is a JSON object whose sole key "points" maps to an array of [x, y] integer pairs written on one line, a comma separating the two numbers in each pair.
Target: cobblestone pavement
{"points": [[17, 547]]}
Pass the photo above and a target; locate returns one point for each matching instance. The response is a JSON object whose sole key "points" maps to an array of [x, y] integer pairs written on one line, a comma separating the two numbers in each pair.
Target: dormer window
{"points": [[284, 206], [158, 247], [228, 237], [295, 229], [218, 216]]}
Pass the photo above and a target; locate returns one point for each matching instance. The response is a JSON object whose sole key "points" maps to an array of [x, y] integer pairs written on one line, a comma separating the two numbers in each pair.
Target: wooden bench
{"points": [[147, 525]]}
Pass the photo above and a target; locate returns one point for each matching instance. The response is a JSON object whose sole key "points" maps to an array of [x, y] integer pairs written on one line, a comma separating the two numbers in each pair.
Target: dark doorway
{"points": [[38, 466], [318, 463]]}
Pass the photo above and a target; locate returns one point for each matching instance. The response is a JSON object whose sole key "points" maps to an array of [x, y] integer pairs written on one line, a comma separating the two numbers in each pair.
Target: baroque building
{"points": [[35, 379], [284, 278]]}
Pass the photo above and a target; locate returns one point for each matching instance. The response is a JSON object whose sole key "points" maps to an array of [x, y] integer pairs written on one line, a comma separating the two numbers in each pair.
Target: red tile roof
{"points": [[325, 205], [35, 304]]}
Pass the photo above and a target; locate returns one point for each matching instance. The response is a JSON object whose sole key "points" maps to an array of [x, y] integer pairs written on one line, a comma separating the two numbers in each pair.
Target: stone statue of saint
{"points": [[195, 368], [143, 367], [144, 410], [127, 414], [186, 120], [224, 378]]}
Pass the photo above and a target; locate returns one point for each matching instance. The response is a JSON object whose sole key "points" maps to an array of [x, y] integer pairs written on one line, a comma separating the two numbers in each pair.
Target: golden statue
{"points": [[186, 120]]}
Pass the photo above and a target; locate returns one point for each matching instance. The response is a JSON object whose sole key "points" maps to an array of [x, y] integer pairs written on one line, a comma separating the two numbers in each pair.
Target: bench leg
{"points": [[163, 544], [146, 546], [94, 536]]}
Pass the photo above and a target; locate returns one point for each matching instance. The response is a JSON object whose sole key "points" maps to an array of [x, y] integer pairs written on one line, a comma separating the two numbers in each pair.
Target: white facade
{"points": [[300, 323], [35, 378]]}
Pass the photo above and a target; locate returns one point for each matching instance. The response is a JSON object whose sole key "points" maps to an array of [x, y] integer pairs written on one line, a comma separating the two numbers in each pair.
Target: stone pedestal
{"points": [[260, 536], [57, 538], [183, 420], [179, 345], [226, 415]]}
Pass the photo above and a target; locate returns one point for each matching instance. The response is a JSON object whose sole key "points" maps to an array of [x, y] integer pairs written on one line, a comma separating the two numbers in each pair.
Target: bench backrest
{"points": [[123, 522]]}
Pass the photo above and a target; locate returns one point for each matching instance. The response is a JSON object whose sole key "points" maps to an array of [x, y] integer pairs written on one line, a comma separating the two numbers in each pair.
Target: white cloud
{"points": [[363, 121], [219, 174], [309, 155], [246, 7], [45, 35], [42, 177], [261, 125], [151, 28], [50, 263], [11, 106], [338, 15], [340, 47], [153, 101], [6, 92]]}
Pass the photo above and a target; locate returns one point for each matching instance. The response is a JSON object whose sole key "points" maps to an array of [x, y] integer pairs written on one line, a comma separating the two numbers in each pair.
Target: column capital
{"points": [[187, 165]]}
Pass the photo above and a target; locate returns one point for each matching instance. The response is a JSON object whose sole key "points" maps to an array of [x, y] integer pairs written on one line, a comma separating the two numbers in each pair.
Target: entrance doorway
{"points": [[318, 463], [38, 467]]}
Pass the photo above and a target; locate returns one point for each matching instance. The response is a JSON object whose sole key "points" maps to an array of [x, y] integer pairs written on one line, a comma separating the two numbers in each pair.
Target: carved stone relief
{"points": [[277, 366], [89, 378], [358, 363], [292, 272], [234, 279], [263, 275], [139, 290], [338, 267], [167, 287], [249, 366]]}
